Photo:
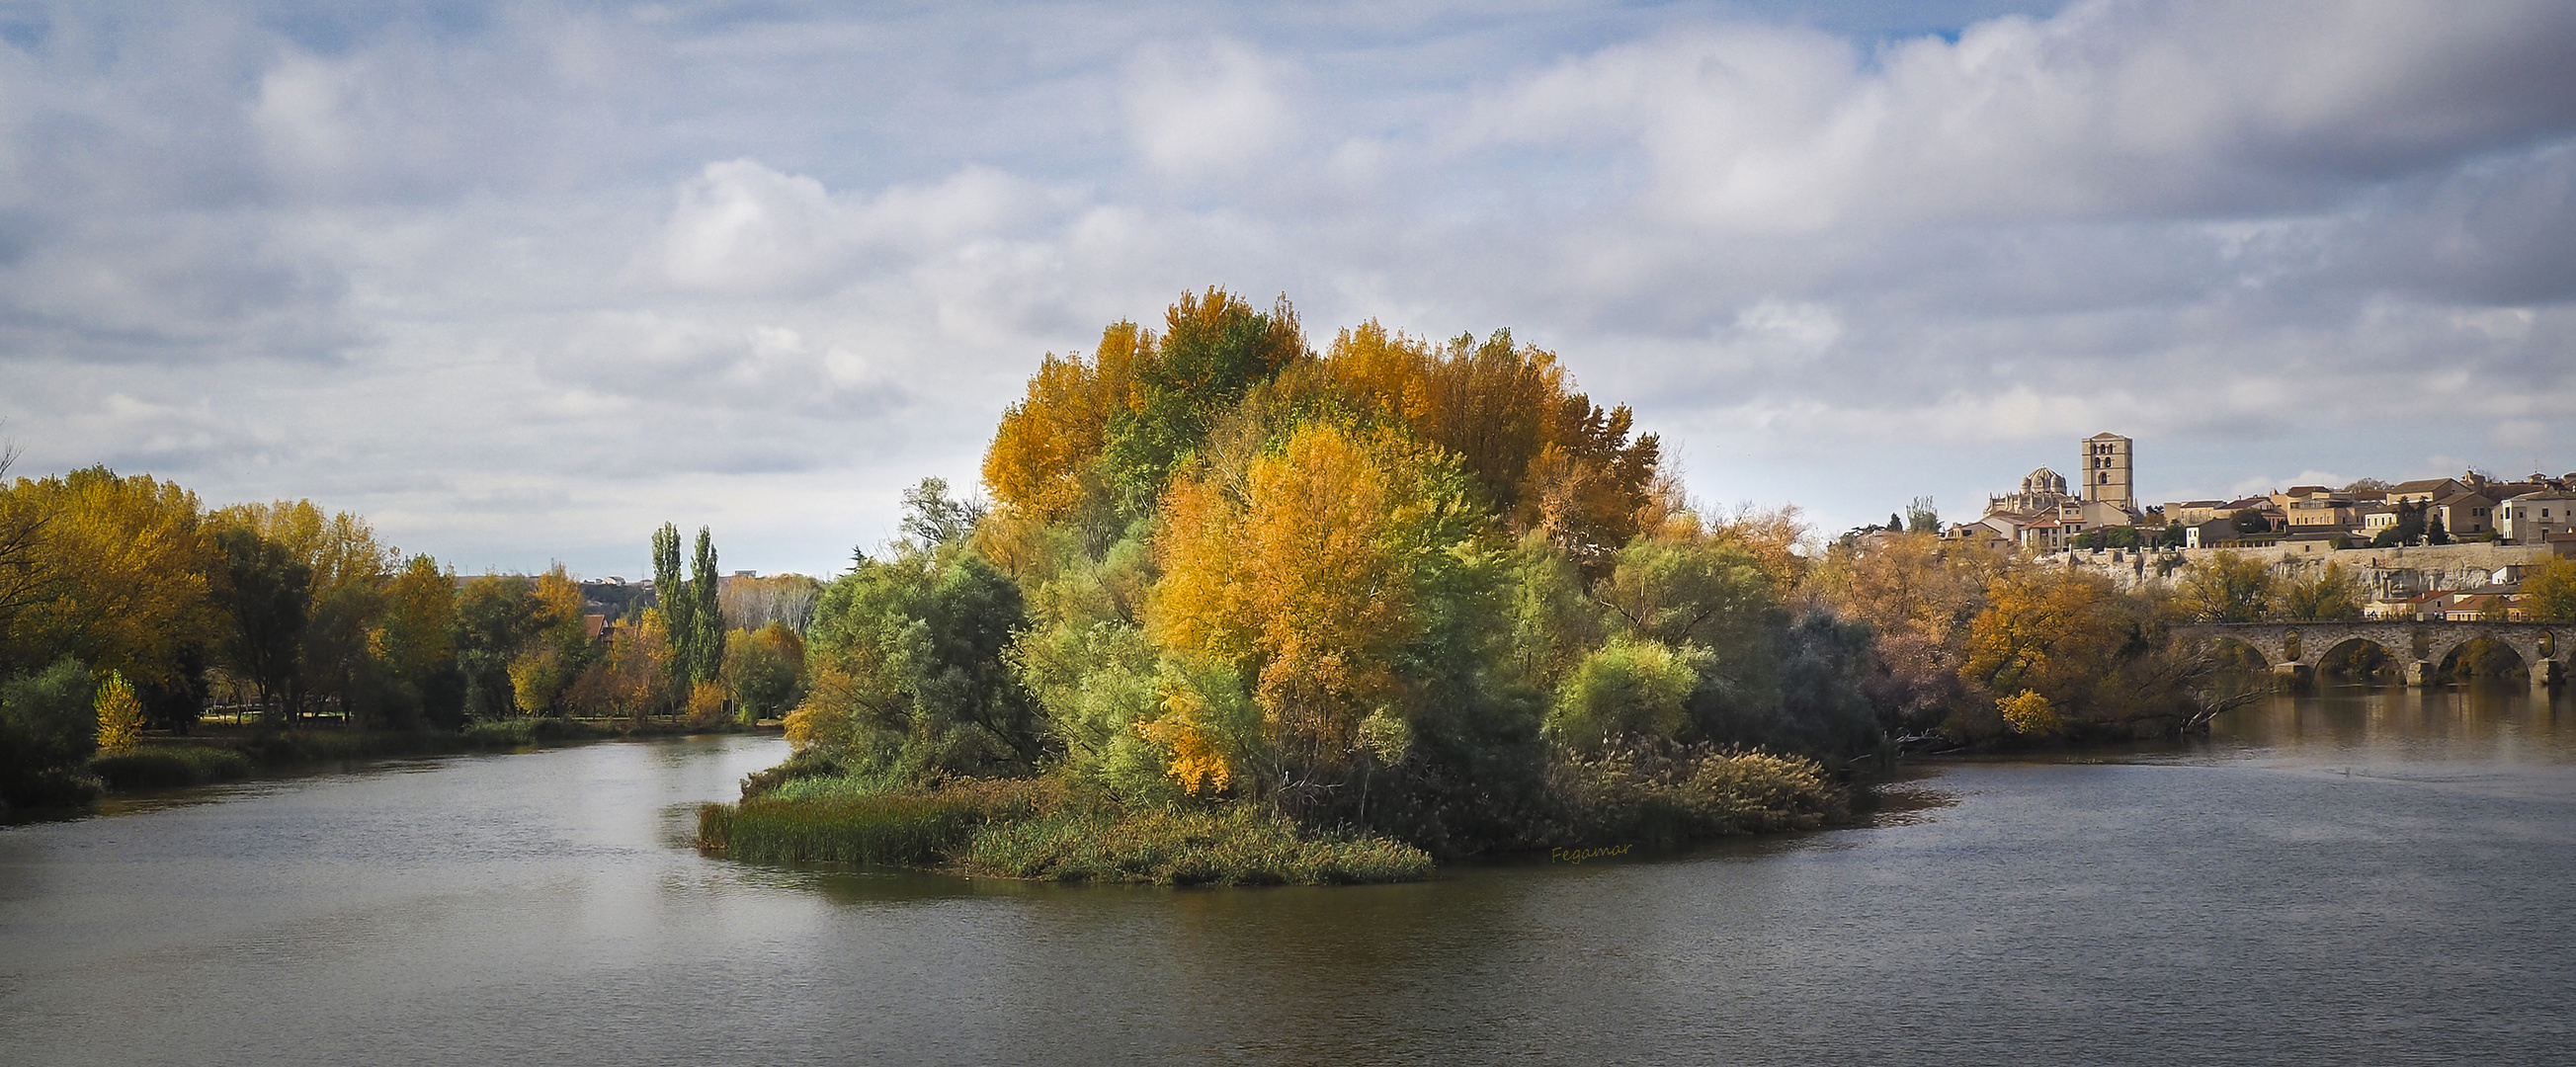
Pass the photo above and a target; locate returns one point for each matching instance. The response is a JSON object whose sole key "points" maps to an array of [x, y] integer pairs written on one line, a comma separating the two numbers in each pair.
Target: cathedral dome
{"points": [[2041, 481]]}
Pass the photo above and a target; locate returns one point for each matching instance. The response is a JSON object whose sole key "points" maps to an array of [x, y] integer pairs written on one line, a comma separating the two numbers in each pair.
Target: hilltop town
{"points": [[2436, 548]]}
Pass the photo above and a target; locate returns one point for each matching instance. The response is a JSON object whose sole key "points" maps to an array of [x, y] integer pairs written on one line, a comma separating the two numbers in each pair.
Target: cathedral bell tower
{"points": [[2107, 470]]}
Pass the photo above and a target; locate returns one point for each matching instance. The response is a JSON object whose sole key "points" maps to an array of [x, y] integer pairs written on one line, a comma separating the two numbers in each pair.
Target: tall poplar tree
{"points": [[672, 593], [705, 649]]}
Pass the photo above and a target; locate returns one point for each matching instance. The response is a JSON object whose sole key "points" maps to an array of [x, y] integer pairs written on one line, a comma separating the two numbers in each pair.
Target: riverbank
{"points": [[223, 753]]}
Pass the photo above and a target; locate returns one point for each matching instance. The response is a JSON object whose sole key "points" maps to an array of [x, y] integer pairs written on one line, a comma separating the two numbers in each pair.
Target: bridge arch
{"points": [[2421, 647], [2475, 655], [2364, 652]]}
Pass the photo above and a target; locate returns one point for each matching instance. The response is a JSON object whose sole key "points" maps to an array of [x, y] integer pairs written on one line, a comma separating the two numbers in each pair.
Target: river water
{"points": [[2377, 877]]}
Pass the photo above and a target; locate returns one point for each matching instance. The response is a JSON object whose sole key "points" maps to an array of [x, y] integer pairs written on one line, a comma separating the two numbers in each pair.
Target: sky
{"points": [[521, 281]]}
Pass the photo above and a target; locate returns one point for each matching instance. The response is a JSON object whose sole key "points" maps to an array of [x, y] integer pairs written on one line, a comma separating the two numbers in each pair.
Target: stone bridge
{"points": [[2295, 648]]}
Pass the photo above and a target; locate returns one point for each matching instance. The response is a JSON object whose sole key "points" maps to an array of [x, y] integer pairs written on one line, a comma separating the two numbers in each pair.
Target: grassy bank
{"points": [[1032, 829]]}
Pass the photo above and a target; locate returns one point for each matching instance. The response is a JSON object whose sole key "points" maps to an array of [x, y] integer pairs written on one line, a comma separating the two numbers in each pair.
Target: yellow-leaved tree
{"points": [[2046, 631], [111, 570], [1303, 583], [1044, 459], [2549, 591], [556, 649], [120, 715]]}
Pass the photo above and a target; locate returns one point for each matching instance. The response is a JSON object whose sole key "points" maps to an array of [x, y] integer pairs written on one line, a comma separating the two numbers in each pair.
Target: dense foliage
{"points": [[1397, 587]]}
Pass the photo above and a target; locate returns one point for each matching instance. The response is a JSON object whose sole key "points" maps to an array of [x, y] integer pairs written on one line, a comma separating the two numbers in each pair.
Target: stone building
{"points": [[2109, 470]]}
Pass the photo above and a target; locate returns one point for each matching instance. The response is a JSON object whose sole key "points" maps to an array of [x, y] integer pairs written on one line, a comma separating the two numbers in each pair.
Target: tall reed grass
{"points": [[169, 766], [1237, 846], [1668, 795], [1021, 828], [913, 827]]}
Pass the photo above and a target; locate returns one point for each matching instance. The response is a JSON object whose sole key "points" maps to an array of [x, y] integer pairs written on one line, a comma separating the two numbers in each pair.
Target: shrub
{"points": [[48, 729]]}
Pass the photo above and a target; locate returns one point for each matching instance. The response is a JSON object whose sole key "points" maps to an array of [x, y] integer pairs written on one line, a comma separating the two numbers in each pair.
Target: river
{"points": [[2378, 877]]}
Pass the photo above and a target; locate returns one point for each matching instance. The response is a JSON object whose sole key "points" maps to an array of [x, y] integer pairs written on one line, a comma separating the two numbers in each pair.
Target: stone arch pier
{"points": [[2296, 648]]}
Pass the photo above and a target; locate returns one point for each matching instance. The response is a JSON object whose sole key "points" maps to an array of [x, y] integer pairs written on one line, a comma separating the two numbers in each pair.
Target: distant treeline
{"points": [[125, 606]]}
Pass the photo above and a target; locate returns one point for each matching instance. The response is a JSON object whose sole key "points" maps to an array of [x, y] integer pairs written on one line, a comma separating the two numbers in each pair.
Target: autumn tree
{"points": [[554, 647], [1214, 348], [1918, 595], [1307, 586], [1045, 457], [2044, 630], [114, 571], [347, 571], [1546, 457], [2549, 591], [416, 640], [120, 715], [632, 677], [2330, 592], [2227, 587]]}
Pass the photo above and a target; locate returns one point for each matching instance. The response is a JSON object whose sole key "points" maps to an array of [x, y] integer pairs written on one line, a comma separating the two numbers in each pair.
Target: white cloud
{"points": [[1204, 108], [741, 228], [518, 280], [2104, 110]]}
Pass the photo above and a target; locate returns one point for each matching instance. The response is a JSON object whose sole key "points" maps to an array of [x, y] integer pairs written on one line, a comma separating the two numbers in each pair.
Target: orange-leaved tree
{"points": [[1547, 457]]}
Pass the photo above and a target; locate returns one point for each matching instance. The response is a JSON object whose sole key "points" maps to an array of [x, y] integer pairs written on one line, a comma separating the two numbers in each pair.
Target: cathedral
{"points": [[2045, 514]]}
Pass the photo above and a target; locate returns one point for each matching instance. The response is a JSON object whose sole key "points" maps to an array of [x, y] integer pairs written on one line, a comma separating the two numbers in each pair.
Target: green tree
{"points": [[495, 617], [266, 591], [48, 729], [705, 647], [1214, 348], [671, 592], [2408, 528], [761, 670], [933, 518], [1627, 690], [909, 673]]}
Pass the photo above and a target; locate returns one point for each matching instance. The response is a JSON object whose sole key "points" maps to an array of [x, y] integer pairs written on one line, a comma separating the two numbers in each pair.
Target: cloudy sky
{"points": [[519, 281]]}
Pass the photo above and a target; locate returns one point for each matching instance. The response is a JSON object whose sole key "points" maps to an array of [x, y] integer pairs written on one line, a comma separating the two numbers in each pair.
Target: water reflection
{"points": [[2473, 722]]}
